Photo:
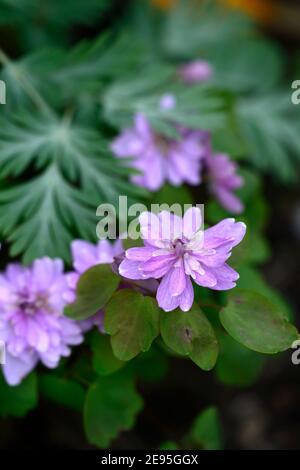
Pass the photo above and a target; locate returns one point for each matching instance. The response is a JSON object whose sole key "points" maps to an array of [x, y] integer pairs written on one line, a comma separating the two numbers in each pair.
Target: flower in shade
{"points": [[32, 325], [224, 180], [159, 158], [177, 251], [85, 255], [195, 71]]}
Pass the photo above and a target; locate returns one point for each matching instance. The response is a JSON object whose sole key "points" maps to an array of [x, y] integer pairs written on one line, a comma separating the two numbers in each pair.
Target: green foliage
{"points": [[94, 289], [104, 361], [269, 124], [111, 406], [251, 277], [252, 68], [191, 29], [41, 216], [237, 365], [191, 335], [197, 107], [18, 400], [49, 20], [206, 433], [64, 106], [152, 365], [168, 445], [234, 66], [66, 392], [255, 322], [132, 320]]}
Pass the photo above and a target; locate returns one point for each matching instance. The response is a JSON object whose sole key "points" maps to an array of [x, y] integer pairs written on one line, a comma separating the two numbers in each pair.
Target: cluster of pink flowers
{"points": [[176, 250], [32, 299], [32, 302], [161, 159]]}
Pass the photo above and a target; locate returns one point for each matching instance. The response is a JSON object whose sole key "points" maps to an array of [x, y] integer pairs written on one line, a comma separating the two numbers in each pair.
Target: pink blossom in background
{"points": [[32, 325], [195, 72], [224, 180], [176, 251], [85, 255], [159, 158]]}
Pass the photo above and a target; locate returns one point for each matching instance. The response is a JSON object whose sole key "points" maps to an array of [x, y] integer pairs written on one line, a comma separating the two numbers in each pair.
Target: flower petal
{"points": [[165, 300], [177, 280], [192, 221], [228, 231], [226, 277], [187, 296], [15, 369], [131, 269]]}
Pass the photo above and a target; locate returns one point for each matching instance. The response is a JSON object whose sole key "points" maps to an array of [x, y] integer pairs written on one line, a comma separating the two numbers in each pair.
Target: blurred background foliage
{"points": [[76, 73]]}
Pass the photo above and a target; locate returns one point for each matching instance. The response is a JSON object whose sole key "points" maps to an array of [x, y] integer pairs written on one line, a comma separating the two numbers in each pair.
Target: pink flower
{"points": [[159, 158], [224, 180], [176, 251], [195, 71], [32, 324], [85, 255]]}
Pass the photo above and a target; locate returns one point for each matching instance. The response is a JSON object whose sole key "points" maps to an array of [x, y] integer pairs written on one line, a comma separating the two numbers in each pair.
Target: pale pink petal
{"points": [[84, 255], [131, 269], [165, 300], [192, 221], [15, 369], [187, 296]]}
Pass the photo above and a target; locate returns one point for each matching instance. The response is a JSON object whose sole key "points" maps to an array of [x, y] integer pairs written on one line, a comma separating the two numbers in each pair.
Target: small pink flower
{"points": [[195, 72], [176, 251], [224, 180], [159, 158], [32, 324]]}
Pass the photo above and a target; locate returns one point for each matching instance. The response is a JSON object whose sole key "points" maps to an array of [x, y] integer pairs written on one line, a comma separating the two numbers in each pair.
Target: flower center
{"points": [[32, 306], [179, 247], [163, 143]]}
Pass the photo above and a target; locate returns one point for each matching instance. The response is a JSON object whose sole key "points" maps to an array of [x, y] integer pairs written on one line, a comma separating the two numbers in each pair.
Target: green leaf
{"points": [[18, 400], [76, 173], [64, 391], [132, 320], [196, 107], [237, 365], [104, 361], [94, 289], [50, 22], [190, 334], [269, 124], [205, 433], [252, 277], [111, 406], [191, 29], [168, 445], [248, 65], [151, 366], [254, 321]]}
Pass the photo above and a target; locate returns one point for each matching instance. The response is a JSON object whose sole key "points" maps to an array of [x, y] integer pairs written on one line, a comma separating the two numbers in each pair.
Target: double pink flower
{"points": [[177, 250]]}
